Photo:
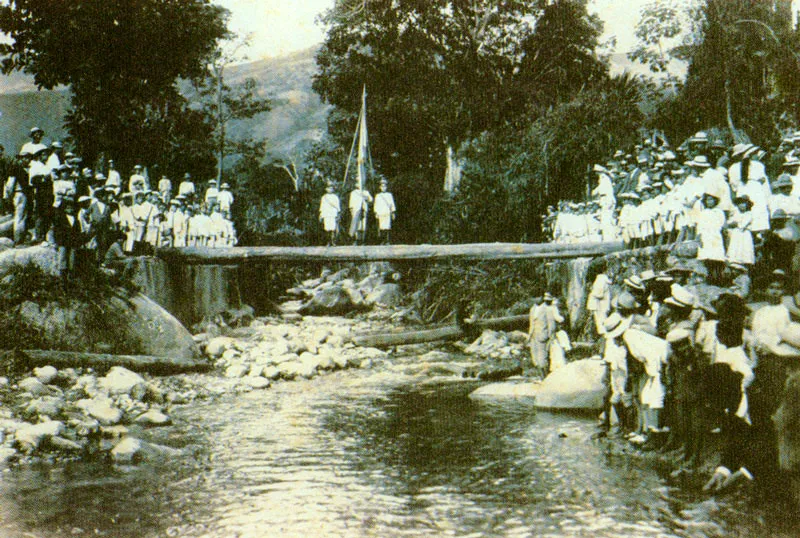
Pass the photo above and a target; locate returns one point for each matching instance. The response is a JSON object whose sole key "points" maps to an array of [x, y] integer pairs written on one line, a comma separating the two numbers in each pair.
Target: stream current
{"points": [[374, 453]]}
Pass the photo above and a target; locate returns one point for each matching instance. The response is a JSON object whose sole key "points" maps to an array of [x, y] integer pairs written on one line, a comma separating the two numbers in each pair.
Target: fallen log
{"points": [[447, 333], [370, 253], [102, 361]]}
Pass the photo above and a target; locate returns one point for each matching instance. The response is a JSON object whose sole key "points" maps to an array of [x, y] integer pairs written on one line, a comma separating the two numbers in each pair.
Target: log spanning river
{"points": [[374, 453]]}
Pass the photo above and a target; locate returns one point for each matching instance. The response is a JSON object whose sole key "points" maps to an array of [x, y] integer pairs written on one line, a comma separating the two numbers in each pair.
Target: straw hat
{"points": [[680, 297], [614, 326]]}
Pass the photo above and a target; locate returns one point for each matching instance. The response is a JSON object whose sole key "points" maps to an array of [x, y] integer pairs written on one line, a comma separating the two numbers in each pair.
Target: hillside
{"points": [[296, 120]]}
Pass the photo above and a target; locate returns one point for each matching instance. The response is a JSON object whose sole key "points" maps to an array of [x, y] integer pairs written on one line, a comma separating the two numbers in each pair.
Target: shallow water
{"points": [[374, 454]]}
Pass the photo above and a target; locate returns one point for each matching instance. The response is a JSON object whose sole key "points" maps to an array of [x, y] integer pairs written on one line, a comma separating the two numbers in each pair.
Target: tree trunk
{"points": [[452, 332], [103, 361], [221, 125], [452, 176], [369, 253]]}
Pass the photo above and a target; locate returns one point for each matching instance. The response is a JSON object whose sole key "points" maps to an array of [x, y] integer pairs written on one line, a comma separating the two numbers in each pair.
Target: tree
{"points": [[121, 59], [743, 68], [437, 73], [223, 102]]}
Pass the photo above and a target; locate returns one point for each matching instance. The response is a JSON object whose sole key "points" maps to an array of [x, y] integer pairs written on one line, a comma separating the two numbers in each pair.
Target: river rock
{"points": [[236, 370], [577, 385], [29, 437], [33, 386], [45, 374], [102, 409], [271, 372], [256, 382], [49, 406], [388, 295], [153, 417], [217, 346], [506, 390], [231, 355], [66, 445], [120, 380], [126, 450], [334, 300], [136, 325]]}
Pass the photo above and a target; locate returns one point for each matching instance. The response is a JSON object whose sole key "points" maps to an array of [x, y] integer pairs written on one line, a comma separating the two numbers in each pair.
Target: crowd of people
{"points": [[90, 216], [685, 359], [738, 202]]}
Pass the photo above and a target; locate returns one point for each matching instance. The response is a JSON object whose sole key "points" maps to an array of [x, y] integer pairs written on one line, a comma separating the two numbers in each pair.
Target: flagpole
{"points": [[363, 151]]}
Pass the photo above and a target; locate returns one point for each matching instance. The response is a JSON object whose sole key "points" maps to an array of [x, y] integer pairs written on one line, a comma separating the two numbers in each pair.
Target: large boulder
{"points": [[109, 321], [578, 385], [388, 295], [135, 325], [334, 300]]}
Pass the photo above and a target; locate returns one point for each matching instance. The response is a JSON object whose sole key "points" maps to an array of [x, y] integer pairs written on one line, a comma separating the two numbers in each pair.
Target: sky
{"points": [[279, 27]]}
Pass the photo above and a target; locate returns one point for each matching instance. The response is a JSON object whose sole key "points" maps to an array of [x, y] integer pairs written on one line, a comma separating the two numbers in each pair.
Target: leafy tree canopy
{"points": [[121, 59]]}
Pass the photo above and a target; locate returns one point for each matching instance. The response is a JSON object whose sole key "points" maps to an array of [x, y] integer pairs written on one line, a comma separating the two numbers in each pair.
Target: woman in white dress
{"points": [[740, 236], [710, 222]]}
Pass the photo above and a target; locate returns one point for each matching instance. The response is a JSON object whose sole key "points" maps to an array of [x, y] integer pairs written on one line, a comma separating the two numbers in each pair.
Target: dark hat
{"points": [[743, 198], [779, 214]]}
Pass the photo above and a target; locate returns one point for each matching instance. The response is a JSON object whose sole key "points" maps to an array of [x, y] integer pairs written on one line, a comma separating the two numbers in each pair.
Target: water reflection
{"points": [[376, 455]]}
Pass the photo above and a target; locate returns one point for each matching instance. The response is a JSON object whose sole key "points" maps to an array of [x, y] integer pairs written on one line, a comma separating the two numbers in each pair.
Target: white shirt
{"points": [[384, 204]]}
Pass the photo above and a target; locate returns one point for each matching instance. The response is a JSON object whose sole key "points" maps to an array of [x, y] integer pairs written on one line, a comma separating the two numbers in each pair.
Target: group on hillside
{"points": [[383, 207], [92, 217], [720, 196]]}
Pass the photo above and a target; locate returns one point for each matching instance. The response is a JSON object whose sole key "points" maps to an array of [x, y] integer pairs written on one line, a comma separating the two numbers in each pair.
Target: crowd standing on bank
{"points": [[93, 216], [706, 345]]}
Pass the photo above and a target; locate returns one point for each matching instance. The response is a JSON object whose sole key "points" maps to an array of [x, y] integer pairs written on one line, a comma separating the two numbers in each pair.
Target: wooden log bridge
{"points": [[374, 253]]}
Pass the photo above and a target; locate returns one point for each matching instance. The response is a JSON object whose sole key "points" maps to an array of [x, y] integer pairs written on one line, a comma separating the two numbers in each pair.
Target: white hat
{"points": [[681, 297], [699, 161], [36, 130], [614, 325]]}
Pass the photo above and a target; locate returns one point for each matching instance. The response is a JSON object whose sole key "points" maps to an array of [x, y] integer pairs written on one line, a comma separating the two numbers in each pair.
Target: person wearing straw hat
{"points": [[544, 319], [35, 145], [114, 180], [710, 223], [55, 159], [741, 249], [329, 209], [605, 188], [782, 197], [384, 209], [225, 199], [615, 355], [211, 192], [187, 188]]}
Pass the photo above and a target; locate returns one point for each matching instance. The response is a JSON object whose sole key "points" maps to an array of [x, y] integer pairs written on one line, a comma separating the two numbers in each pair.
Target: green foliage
{"points": [[121, 59], [488, 288], [510, 179]]}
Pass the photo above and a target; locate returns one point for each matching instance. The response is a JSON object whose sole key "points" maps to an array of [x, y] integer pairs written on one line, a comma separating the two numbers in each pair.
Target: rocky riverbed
{"points": [[52, 414]]}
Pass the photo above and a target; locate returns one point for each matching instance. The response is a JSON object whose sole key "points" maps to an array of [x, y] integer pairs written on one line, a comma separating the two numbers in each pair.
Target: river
{"points": [[374, 453]]}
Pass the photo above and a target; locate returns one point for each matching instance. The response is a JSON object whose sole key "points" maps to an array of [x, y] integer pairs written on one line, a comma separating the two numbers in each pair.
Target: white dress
{"points": [[740, 239], [709, 230]]}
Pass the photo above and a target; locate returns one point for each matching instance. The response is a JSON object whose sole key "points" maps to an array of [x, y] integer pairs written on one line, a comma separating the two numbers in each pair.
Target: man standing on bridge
{"points": [[384, 211], [359, 208], [329, 208]]}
